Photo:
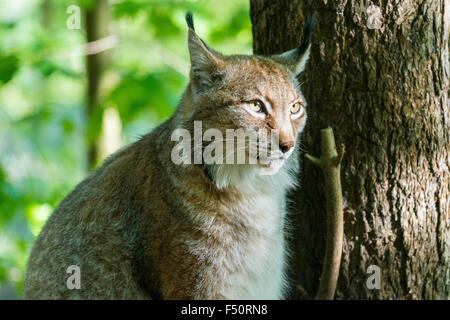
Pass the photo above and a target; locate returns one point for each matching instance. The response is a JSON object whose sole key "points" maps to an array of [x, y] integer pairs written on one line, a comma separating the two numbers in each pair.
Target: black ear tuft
{"points": [[296, 58], [190, 20], [307, 31]]}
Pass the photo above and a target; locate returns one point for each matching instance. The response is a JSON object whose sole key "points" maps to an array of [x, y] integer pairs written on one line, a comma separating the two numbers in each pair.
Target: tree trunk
{"points": [[97, 22], [382, 83]]}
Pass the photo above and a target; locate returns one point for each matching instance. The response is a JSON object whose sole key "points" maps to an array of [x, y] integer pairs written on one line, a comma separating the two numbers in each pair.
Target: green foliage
{"points": [[8, 66], [132, 94], [44, 129]]}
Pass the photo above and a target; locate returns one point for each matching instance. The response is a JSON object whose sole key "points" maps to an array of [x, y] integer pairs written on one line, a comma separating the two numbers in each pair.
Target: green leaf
{"points": [[162, 23], [126, 9], [8, 66]]}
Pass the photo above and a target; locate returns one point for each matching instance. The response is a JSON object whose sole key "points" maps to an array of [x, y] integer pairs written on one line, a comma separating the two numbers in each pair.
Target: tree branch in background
{"points": [[330, 163], [97, 18]]}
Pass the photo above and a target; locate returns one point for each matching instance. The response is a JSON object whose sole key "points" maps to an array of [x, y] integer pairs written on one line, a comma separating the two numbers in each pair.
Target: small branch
{"points": [[304, 294], [313, 159], [340, 152], [330, 163], [100, 45]]}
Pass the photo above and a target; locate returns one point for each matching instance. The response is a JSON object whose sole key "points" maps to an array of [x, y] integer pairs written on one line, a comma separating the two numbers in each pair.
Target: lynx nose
{"points": [[286, 146]]}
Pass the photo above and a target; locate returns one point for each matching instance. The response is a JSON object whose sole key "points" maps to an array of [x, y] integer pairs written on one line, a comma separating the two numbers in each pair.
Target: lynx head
{"points": [[250, 92]]}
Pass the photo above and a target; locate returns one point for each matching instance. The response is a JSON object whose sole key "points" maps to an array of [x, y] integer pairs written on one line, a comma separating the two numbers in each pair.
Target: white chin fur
{"points": [[272, 168], [280, 174]]}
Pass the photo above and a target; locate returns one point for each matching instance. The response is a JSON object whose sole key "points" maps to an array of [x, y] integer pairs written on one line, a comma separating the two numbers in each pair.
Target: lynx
{"points": [[143, 227]]}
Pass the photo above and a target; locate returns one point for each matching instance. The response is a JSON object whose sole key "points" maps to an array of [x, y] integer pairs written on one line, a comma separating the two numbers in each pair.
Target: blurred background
{"points": [[79, 79]]}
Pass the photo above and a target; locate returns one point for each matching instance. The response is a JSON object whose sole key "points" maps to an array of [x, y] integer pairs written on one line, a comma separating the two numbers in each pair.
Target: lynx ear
{"points": [[204, 60], [296, 58]]}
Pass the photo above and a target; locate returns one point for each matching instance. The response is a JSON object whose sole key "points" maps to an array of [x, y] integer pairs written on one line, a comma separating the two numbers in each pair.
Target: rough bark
{"points": [[385, 92]]}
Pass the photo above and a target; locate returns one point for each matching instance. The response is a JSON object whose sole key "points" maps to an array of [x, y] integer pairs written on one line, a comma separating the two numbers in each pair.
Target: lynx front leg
{"points": [[191, 277], [199, 287]]}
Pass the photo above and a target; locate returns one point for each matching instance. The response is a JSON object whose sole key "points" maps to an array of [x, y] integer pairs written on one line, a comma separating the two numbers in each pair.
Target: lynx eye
{"points": [[256, 106], [296, 107]]}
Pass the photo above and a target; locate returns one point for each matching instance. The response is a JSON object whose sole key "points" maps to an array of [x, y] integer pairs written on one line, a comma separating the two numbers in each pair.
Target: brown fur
{"points": [[141, 227]]}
